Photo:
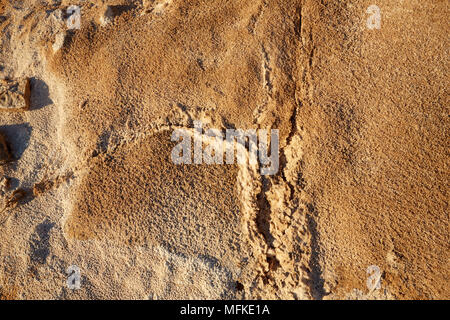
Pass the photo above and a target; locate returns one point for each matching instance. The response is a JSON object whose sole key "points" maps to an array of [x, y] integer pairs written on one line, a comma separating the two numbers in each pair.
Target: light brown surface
{"points": [[363, 180]]}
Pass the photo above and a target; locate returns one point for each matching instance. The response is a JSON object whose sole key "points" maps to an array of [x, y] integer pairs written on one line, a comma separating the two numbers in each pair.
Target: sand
{"points": [[363, 178]]}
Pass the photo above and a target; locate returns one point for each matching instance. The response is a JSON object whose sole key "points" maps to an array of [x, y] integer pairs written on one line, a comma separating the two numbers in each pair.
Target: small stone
{"points": [[5, 185], [13, 200], [5, 154], [15, 95]]}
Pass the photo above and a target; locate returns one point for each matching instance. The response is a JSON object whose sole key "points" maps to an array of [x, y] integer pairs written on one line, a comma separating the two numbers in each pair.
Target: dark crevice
{"points": [[263, 214], [292, 133], [299, 23], [315, 281]]}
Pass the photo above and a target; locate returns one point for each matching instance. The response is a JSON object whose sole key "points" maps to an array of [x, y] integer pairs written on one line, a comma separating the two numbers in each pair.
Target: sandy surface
{"points": [[363, 177]]}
